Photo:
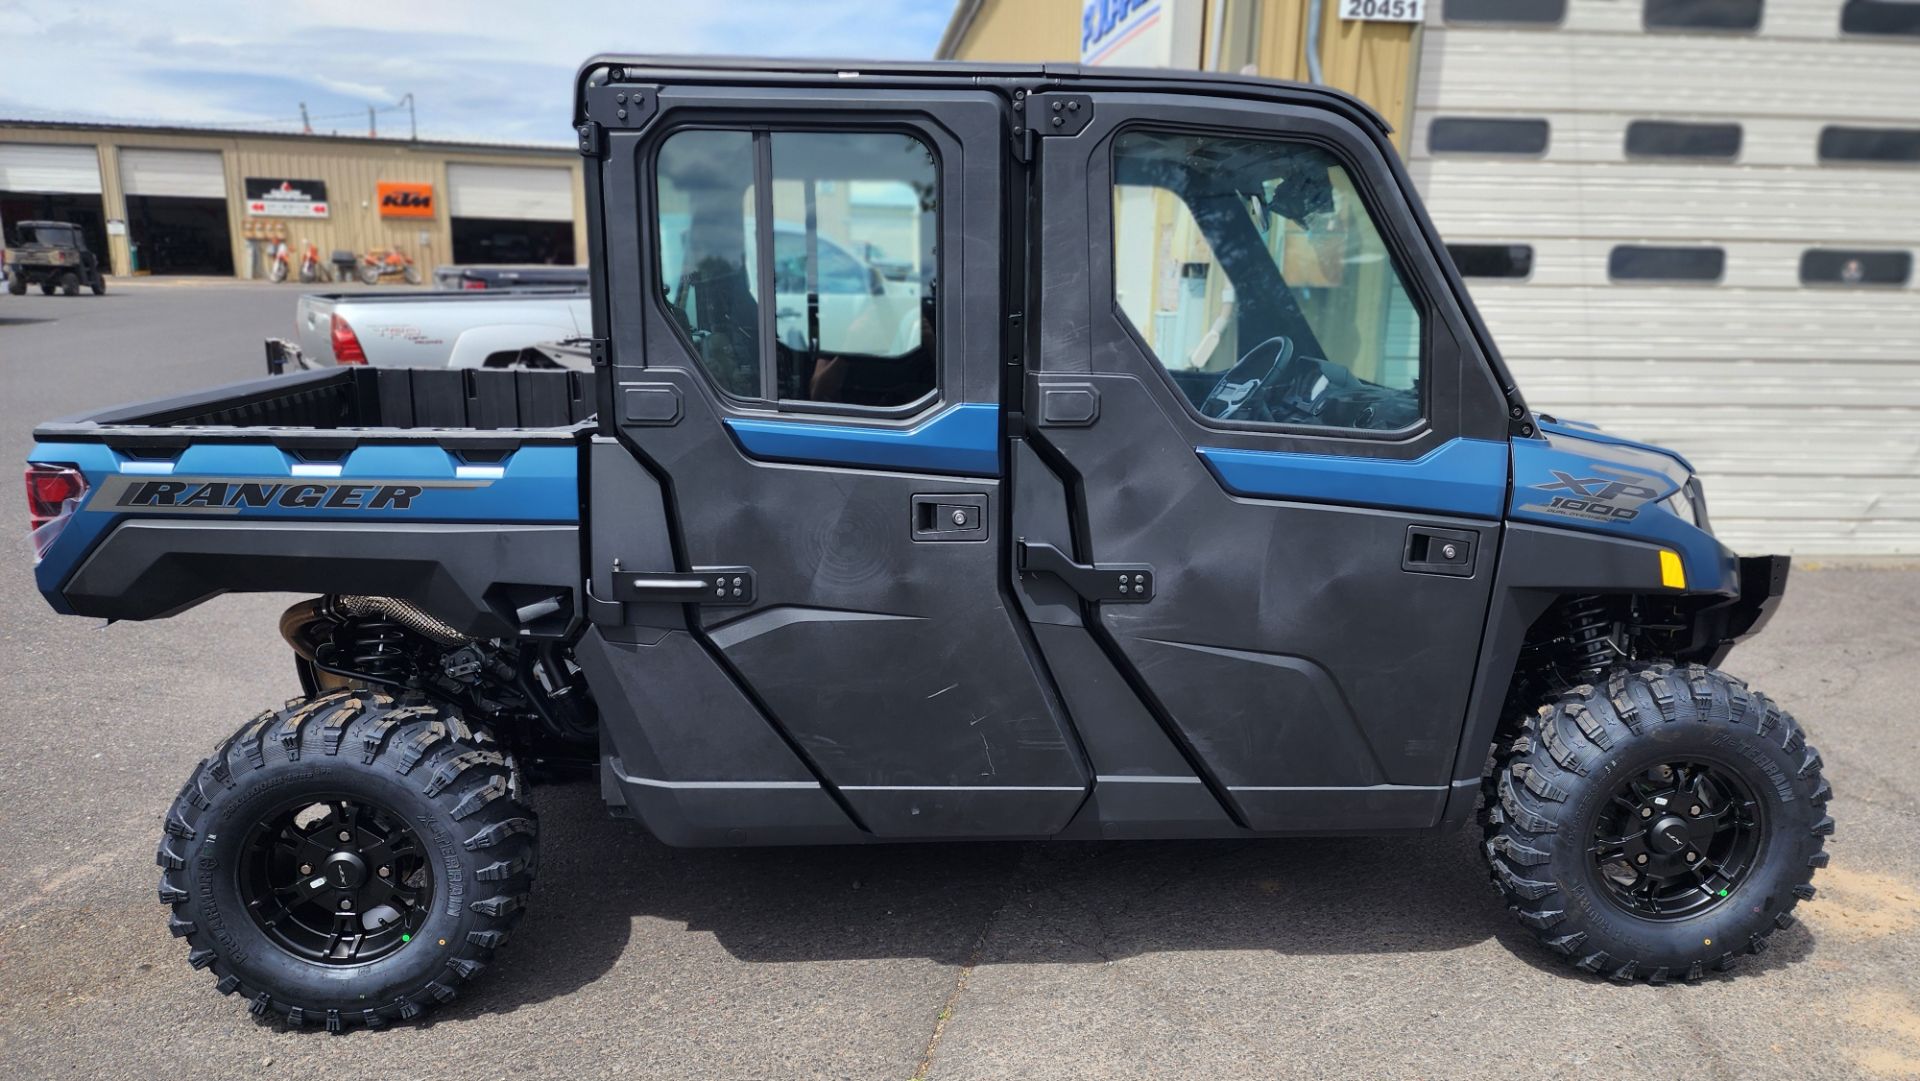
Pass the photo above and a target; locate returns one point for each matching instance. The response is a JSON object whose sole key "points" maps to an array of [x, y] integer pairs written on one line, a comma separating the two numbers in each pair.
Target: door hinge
{"points": [[600, 350], [1116, 583], [1036, 115], [593, 139]]}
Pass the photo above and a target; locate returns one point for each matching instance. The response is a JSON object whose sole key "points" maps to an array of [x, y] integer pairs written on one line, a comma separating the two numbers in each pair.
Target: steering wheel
{"points": [[1242, 389]]}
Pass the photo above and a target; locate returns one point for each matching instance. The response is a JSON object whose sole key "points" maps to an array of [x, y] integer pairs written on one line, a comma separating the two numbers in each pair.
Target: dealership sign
{"points": [[272, 197], [404, 200], [1141, 33]]}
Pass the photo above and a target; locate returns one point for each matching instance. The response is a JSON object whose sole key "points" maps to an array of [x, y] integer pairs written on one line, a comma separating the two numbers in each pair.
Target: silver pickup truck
{"points": [[435, 330]]}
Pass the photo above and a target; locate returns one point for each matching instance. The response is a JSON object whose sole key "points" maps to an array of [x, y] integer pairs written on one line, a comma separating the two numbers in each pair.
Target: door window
{"points": [[1254, 272], [850, 219]]}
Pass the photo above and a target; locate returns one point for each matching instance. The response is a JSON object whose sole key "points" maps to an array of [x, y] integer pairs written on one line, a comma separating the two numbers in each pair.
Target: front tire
{"points": [[70, 284], [1656, 825], [369, 274], [17, 284], [349, 859], [99, 284]]}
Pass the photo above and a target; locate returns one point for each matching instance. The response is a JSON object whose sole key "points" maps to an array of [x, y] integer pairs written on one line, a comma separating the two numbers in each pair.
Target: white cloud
{"points": [[497, 69]]}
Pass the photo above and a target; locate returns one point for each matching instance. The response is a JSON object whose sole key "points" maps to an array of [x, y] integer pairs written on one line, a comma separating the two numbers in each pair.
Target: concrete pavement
{"points": [[1320, 958]]}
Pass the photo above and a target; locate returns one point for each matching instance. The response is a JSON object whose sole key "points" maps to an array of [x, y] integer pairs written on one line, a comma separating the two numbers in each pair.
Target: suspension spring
{"points": [[375, 648], [1589, 633]]}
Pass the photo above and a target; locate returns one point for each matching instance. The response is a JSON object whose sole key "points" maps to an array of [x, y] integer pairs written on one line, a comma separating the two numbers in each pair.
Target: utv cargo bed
{"points": [[456, 489]]}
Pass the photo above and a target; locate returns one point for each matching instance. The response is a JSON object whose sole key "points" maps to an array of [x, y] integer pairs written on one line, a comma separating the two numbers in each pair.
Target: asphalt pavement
{"points": [[1363, 958]]}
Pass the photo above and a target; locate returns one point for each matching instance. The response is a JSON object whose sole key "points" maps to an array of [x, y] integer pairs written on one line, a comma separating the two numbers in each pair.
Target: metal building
{"points": [[1696, 223], [1691, 221], [194, 201]]}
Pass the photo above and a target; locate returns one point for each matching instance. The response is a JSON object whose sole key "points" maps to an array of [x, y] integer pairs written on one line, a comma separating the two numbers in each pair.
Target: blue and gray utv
{"points": [[965, 452]]}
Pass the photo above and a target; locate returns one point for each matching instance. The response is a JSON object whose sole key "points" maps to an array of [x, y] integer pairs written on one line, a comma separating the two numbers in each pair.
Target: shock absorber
{"points": [[1589, 645]]}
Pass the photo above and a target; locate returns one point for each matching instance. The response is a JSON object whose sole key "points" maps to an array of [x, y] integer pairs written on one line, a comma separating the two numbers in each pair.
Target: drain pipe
{"points": [[1313, 42]]}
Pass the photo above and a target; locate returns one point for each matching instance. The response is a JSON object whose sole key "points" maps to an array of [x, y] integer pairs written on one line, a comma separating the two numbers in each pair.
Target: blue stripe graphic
{"points": [[1467, 477], [962, 439]]}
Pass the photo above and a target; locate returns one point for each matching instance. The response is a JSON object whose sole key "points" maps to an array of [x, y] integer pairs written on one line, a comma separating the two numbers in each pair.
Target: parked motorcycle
{"points": [[383, 263]]}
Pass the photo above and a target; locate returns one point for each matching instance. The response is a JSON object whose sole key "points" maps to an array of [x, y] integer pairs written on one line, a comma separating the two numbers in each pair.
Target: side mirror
{"points": [[875, 283]]}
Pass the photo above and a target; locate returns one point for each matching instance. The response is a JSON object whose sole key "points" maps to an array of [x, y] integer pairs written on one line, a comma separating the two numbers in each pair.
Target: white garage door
{"points": [[190, 173], [522, 192], [1696, 223], [59, 170]]}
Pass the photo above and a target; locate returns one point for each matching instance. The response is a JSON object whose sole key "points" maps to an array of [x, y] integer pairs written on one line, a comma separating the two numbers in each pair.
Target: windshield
{"points": [[52, 236]]}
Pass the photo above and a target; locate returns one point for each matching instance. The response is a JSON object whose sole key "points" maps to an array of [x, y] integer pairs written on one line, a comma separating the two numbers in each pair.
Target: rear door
{"points": [[808, 320], [1256, 390]]}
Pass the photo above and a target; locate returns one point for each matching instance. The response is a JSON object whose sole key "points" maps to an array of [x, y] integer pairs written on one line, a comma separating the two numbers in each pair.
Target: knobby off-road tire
{"points": [[400, 776], [70, 284], [1557, 787], [99, 284]]}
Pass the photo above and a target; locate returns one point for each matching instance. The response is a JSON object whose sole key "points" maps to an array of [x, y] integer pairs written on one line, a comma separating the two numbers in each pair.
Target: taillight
{"points": [[346, 347], [473, 283], [53, 491]]}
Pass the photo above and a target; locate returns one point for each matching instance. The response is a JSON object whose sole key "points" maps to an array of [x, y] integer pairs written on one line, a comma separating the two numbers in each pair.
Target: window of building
{"points": [[1896, 18], [1673, 139], [1631, 262], [1256, 276], [1722, 16], [1487, 135], [849, 224], [1833, 266], [1492, 260], [1531, 12], [1880, 146]]}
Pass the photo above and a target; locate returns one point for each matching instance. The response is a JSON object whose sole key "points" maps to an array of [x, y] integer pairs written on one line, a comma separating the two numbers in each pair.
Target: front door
{"points": [[1253, 382], [808, 323]]}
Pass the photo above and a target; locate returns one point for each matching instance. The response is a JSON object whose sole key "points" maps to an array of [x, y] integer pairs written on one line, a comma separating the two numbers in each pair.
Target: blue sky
{"points": [[478, 70]]}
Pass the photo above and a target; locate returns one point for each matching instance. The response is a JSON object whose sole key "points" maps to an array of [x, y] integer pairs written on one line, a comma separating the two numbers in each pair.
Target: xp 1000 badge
{"points": [[1613, 495]]}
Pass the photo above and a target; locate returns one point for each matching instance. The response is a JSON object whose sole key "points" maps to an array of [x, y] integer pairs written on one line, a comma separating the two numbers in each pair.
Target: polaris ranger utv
{"points": [[53, 255], [1148, 475]]}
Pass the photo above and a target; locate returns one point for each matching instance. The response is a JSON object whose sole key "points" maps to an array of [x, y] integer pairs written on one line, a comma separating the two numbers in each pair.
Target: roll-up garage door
{"points": [[42, 182], [195, 174], [518, 192], [67, 170], [177, 213]]}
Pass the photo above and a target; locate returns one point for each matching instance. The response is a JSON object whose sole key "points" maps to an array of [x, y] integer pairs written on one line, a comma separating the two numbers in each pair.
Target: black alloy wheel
{"points": [[336, 881], [1676, 840]]}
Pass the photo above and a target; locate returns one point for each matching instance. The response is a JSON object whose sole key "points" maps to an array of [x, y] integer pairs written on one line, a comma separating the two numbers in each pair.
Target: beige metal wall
{"points": [[1373, 60], [351, 169]]}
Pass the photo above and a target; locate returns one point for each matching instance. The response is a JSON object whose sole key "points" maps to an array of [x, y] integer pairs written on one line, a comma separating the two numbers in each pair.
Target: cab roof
{"points": [[788, 72]]}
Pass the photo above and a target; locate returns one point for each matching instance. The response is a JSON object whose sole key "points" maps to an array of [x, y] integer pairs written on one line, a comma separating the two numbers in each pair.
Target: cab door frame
{"points": [[1359, 754]]}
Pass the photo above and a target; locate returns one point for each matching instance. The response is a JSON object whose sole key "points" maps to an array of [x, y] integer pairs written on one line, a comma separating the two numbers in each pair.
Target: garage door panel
{"points": [[514, 192], [1467, 70], [195, 174], [47, 169], [1648, 203], [1823, 326]]}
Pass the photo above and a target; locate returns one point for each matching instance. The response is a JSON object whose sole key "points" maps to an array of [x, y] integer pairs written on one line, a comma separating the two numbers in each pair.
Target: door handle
{"points": [[1119, 583], [1433, 550], [703, 585]]}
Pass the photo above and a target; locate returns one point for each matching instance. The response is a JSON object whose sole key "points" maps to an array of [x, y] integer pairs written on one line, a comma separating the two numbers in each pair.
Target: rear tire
{"points": [[277, 271], [412, 274], [396, 786], [1657, 825], [16, 284], [47, 286], [70, 284], [369, 274], [99, 284]]}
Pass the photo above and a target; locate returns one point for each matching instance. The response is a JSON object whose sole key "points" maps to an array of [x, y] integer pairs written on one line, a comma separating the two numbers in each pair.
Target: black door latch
{"points": [[1115, 583], [702, 585]]}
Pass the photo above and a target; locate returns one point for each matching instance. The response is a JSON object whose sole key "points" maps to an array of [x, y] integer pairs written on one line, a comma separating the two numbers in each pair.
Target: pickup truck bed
{"points": [[456, 489]]}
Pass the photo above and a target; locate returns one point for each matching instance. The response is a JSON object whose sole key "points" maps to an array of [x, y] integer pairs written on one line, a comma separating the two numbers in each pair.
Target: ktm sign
{"points": [[401, 200]]}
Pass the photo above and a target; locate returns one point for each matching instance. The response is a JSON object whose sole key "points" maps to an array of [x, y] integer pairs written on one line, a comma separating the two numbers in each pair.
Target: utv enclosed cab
{"points": [[52, 255], [968, 452]]}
